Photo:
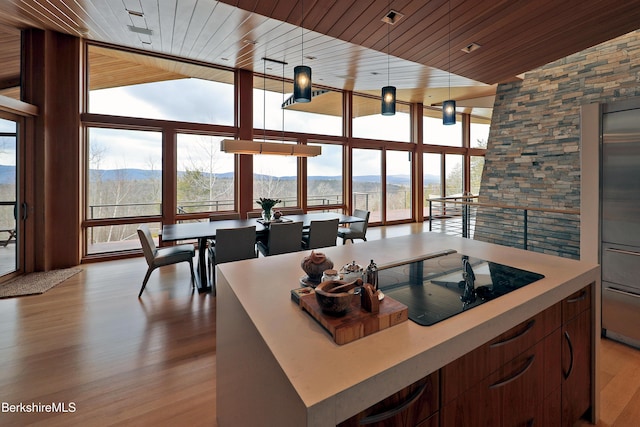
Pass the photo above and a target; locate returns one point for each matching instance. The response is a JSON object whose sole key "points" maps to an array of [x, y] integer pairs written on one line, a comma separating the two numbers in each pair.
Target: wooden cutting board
{"points": [[356, 323]]}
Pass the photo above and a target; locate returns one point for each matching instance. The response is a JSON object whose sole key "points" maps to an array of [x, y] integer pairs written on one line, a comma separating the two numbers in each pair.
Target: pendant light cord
{"points": [[449, 45], [302, 30], [282, 106], [264, 99], [388, 42]]}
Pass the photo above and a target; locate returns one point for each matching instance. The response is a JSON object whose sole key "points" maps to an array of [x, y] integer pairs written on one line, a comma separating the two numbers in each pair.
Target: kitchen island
{"points": [[277, 366]]}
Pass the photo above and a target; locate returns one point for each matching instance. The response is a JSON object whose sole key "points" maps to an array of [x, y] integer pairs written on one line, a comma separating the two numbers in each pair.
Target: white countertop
{"points": [[341, 380]]}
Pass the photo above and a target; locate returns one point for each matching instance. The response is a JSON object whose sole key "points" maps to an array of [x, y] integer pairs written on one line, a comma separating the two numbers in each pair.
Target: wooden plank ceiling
{"points": [[345, 42]]}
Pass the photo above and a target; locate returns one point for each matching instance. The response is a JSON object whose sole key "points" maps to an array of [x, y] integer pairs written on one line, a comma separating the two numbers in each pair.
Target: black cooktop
{"points": [[448, 283]]}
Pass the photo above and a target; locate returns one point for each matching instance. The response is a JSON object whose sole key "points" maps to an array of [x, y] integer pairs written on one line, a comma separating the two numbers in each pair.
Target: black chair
{"points": [[218, 217], [283, 237], [232, 244], [357, 230], [164, 256], [321, 234]]}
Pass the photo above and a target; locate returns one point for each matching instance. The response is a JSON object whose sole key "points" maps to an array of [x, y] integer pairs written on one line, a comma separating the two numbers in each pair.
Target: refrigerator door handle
{"points": [[619, 291], [622, 251]]}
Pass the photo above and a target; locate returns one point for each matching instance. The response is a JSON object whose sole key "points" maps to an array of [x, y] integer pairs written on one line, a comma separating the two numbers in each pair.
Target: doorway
{"points": [[11, 261]]}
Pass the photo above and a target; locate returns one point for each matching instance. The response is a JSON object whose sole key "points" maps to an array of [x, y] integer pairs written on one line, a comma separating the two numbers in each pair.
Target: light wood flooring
{"points": [[126, 361]]}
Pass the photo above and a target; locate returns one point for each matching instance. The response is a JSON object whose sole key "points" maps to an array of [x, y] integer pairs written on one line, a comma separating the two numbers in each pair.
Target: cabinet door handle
{"points": [[516, 375], [568, 338], [622, 251], [526, 329], [620, 291], [394, 411], [579, 298]]}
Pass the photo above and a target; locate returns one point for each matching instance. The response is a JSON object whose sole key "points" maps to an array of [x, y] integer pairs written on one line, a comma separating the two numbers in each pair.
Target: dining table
{"points": [[206, 230]]}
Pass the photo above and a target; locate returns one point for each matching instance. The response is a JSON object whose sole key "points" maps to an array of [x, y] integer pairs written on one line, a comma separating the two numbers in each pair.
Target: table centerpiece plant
{"points": [[267, 207]]}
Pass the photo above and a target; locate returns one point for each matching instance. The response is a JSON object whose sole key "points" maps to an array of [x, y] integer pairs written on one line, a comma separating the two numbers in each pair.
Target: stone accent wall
{"points": [[533, 156]]}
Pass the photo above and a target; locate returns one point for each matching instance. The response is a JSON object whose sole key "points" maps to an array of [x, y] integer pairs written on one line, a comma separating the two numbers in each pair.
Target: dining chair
{"points": [[283, 237], [356, 230], [232, 244], [219, 217], [291, 211], [163, 256], [223, 216], [322, 233]]}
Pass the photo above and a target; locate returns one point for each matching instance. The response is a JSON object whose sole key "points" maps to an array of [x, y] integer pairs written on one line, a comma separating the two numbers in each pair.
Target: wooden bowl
{"points": [[336, 303]]}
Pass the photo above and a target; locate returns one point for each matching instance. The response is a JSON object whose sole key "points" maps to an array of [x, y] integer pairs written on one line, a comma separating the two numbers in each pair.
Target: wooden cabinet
{"points": [[576, 356], [513, 394], [468, 370], [413, 406], [537, 373]]}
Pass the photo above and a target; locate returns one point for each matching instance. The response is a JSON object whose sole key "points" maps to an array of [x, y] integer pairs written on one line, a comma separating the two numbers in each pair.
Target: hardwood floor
{"points": [[128, 362], [120, 360]]}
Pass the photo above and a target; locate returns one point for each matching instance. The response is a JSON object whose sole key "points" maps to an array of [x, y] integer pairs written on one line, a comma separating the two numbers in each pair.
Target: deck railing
{"points": [[552, 231]]}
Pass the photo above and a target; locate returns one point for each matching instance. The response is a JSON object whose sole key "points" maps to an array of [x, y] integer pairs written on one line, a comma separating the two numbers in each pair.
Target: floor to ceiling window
{"points": [[275, 177], [431, 178], [370, 124], [9, 197], [324, 177], [205, 175], [454, 175], [398, 185], [138, 101], [367, 182], [124, 180]]}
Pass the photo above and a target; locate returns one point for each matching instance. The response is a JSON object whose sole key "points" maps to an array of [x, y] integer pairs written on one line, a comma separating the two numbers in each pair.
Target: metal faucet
{"points": [[469, 294]]}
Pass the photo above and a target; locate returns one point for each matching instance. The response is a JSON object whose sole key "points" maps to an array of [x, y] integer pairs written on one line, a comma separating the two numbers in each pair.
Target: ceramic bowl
{"points": [[335, 304]]}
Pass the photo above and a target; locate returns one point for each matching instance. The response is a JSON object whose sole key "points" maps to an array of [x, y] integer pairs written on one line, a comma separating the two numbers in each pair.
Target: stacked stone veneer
{"points": [[533, 152]]}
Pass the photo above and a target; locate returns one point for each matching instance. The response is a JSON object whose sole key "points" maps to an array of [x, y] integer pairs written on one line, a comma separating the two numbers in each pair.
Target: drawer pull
{"points": [[568, 338], [516, 375], [622, 251], [620, 291], [582, 296], [393, 412], [526, 329]]}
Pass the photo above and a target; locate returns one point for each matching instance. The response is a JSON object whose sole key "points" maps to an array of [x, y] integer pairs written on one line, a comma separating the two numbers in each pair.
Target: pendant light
{"points": [[302, 73], [238, 146], [388, 96], [449, 106]]}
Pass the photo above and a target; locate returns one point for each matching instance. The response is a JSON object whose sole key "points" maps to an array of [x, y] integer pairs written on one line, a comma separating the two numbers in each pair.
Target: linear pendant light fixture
{"points": [[388, 95], [239, 146], [302, 73], [449, 106]]}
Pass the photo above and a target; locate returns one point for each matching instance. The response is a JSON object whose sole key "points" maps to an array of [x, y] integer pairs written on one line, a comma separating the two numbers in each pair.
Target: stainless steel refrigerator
{"points": [[620, 224]]}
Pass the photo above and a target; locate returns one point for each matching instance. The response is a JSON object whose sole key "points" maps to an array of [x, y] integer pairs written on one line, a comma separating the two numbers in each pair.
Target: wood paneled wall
{"points": [[52, 79]]}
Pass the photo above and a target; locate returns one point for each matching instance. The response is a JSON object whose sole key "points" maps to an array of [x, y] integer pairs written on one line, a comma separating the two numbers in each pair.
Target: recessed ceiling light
{"points": [[392, 17], [471, 47], [252, 42], [225, 59], [310, 58]]}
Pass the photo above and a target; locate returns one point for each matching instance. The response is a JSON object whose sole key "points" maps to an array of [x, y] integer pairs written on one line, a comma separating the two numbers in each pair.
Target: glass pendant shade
{"points": [[302, 83], [388, 100], [449, 112]]}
